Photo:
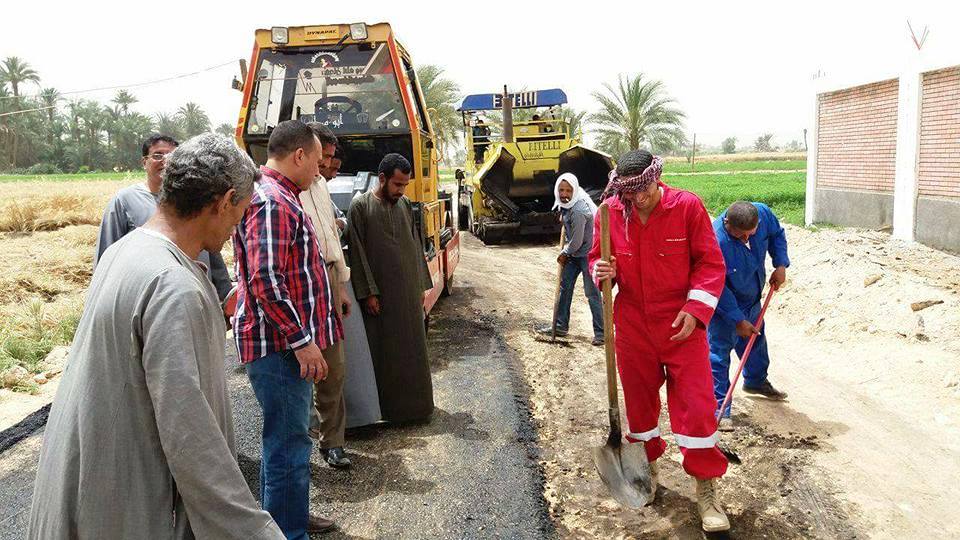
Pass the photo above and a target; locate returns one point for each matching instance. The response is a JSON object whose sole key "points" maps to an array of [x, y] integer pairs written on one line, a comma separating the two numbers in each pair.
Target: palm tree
{"points": [[50, 97], [441, 96], [124, 100], [637, 112], [227, 130], [168, 124], [13, 70], [95, 119], [575, 119], [111, 117], [193, 119], [131, 129]]}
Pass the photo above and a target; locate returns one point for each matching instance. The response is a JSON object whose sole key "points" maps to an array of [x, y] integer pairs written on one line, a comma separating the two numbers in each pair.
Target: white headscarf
{"points": [[578, 193]]}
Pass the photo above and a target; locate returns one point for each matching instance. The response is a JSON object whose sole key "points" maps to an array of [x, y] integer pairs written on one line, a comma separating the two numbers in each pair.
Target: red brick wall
{"points": [[938, 171], [857, 138]]}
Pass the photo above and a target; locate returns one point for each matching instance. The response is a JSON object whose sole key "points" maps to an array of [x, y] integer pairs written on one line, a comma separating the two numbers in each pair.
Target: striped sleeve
{"points": [[270, 233]]}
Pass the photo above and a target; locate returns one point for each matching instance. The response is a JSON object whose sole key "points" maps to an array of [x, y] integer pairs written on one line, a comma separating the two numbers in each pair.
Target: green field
{"points": [[783, 192], [85, 177], [446, 176], [760, 165]]}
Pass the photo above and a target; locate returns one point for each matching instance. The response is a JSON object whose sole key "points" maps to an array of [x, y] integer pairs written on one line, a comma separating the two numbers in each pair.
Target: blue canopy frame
{"points": [[521, 100]]}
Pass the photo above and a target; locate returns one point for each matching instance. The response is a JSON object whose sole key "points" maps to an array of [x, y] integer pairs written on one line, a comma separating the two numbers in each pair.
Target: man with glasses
{"points": [[132, 206]]}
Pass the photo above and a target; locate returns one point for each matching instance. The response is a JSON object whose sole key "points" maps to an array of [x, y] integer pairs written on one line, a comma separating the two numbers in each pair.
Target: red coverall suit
{"points": [[670, 264]]}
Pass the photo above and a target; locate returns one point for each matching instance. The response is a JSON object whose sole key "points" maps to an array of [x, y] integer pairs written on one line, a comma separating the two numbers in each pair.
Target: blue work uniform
{"points": [[740, 300]]}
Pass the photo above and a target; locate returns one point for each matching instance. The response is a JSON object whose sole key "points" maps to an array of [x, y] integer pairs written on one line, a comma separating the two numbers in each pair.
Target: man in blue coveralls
{"points": [[746, 232]]}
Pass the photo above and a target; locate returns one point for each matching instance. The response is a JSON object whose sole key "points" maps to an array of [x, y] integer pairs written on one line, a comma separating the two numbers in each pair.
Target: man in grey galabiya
{"points": [[140, 441], [132, 206]]}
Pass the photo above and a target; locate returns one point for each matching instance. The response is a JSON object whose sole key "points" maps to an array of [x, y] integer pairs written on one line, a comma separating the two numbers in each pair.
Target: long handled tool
{"points": [[622, 467], [556, 294], [556, 305], [733, 457]]}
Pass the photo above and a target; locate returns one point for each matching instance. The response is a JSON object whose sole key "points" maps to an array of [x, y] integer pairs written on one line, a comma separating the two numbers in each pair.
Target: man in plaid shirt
{"points": [[285, 317]]}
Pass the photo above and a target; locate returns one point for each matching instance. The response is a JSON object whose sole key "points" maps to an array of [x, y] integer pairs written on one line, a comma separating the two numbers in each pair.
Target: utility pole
{"points": [[693, 153]]}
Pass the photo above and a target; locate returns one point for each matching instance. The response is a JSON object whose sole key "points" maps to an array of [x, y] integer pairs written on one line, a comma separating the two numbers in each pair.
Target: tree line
{"points": [[633, 112], [45, 132], [81, 135]]}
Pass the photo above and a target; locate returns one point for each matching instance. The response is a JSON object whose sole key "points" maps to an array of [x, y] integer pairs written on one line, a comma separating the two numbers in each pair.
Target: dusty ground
{"points": [[867, 445], [47, 236]]}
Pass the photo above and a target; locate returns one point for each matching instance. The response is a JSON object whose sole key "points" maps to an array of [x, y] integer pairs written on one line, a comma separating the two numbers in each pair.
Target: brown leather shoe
{"points": [[319, 525]]}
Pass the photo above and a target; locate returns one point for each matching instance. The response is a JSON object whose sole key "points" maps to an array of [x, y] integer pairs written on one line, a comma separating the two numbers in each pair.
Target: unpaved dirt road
{"points": [[867, 445]]}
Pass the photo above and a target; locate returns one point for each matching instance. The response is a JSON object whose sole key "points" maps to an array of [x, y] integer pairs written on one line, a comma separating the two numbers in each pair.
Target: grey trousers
{"points": [[329, 415]]}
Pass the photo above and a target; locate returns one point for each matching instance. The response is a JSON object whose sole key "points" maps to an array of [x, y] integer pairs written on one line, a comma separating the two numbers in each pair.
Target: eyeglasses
{"points": [[158, 156]]}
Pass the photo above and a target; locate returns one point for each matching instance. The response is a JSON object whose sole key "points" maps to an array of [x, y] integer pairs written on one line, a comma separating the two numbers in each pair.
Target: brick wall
{"points": [[938, 167], [857, 138]]}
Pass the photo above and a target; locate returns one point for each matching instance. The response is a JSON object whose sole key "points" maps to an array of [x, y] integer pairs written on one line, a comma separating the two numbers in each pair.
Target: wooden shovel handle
{"points": [[609, 346], [556, 293]]}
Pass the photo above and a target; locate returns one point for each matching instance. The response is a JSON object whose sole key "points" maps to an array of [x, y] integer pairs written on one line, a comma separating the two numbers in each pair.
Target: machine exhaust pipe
{"points": [[507, 105]]}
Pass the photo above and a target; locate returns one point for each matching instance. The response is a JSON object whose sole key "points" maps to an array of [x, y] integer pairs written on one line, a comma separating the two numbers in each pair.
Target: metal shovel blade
{"points": [[625, 471]]}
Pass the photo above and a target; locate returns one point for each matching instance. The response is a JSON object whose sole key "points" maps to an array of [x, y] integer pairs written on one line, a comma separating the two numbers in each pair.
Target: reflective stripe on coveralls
{"points": [[669, 264]]}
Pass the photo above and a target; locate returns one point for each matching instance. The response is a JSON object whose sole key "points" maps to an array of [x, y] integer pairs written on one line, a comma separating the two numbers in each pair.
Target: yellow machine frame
{"points": [[425, 156]]}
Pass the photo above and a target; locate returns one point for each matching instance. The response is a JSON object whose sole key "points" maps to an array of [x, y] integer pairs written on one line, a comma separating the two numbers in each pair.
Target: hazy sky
{"points": [[735, 68]]}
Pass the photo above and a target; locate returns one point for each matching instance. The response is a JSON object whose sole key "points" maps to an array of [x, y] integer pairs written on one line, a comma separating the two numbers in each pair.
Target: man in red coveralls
{"points": [[669, 274]]}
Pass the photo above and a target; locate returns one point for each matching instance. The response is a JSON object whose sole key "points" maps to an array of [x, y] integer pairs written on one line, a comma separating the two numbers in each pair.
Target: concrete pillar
{"points": [[813, 135], [908, 148]]}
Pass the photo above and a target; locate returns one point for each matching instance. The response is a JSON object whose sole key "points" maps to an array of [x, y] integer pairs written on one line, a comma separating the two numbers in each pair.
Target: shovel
{"points": [[732, 456], [622, 467]]}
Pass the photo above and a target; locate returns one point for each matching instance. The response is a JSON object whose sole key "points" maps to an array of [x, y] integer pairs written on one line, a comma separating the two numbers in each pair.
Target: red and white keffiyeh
{"points": [[620, 185]]}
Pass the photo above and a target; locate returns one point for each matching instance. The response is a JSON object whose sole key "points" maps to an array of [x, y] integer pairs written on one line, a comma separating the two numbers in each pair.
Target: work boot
{"points": [[336, 457], [726, 424], [319, 525], [597, 341], [712, 517], [547, 330], [767, 390]]}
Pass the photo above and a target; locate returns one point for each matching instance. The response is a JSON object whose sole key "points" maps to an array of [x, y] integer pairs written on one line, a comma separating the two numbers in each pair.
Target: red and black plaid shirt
{"points": [[284, 298]]}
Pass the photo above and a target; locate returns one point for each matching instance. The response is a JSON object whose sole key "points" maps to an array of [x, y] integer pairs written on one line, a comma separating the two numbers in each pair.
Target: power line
{"points": [[134, 85], [26, 111]]}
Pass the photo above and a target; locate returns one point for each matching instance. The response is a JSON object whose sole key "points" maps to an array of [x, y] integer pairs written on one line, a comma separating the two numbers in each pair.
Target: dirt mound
{"points": [[861, 284]]}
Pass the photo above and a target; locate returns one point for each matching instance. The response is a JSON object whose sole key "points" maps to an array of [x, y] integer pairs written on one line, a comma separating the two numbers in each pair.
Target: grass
{"points": [[712, 166], [47, 235], [742, 156], [131, 176], [783, 192], [29, 335], [49, 213]]}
